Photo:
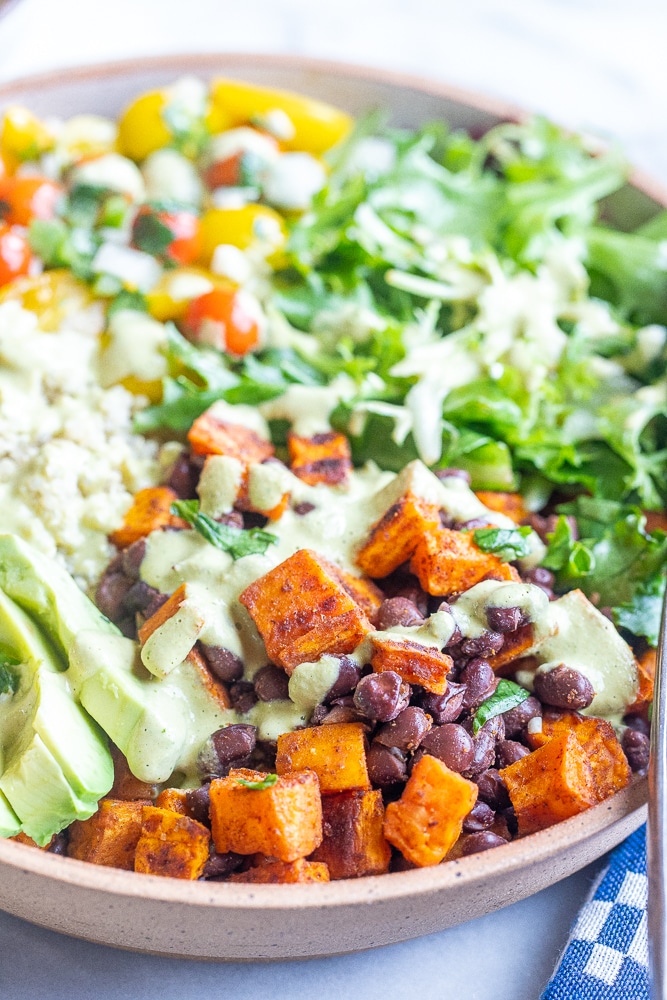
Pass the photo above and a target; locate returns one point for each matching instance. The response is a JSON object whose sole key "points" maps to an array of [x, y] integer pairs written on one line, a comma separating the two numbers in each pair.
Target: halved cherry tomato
{"points": [[15, 256], [223, 318], [173, 237], [23, 199]]}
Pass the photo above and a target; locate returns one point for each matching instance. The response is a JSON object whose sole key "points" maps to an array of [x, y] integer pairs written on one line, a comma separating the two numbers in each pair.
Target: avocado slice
{"points": [[10, 824], [56, 761]]}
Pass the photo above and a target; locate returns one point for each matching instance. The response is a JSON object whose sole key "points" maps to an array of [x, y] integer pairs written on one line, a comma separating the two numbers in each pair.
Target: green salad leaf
{"points": [[238, 542]]}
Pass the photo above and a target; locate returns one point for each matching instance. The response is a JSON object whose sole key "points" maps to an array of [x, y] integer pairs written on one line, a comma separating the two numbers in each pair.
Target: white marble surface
{"points": [[587, 63]]}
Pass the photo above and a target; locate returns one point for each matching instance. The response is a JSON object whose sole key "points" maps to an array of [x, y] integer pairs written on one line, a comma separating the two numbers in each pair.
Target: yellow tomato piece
{"points": [[23, 137], [153, 390], [169, 299], [317, 126], [241, 227], [53, 297], [142, 129]]}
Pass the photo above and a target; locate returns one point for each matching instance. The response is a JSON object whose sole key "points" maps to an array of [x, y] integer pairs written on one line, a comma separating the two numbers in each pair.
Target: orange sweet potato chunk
{"points": [[283, 821], [394, 538], [150, 510], [646, 672], [336, 753], [171, 844], [211, 436], [448, 562], [415, 663], [553, 783], [515, 645], [174, 799], [302, 611], [283, 872], [363, 591], [509, 504], [324, 458], [125, 785], [610, 767], [354, 843], [427, 820], [110, 836]]}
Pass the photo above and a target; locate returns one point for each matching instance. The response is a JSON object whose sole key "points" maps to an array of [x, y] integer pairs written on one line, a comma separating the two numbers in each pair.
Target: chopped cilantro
{"points": [[506, 543], [506, 696], [151, 235], [268, 781], [236, 541]]}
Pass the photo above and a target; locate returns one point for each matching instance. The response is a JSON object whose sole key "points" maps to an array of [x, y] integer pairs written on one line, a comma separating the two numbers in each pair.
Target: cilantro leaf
{"points": [[236, 541], [506, 543], [258, 786], [642, 613], [151, 235], [564, 552], [125, 299], [506, 696]]}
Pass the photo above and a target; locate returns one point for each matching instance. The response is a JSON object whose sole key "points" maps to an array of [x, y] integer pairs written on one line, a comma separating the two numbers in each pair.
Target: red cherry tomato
{"points": [[221, 318], [151, 233], [23, 199], [15, 256]]}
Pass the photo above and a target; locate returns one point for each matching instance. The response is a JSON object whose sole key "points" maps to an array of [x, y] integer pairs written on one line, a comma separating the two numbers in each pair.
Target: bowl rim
{"points": [[627, 807]]}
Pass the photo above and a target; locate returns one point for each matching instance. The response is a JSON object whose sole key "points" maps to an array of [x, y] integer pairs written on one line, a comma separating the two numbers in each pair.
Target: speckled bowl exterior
{"points": [[218, 921]]}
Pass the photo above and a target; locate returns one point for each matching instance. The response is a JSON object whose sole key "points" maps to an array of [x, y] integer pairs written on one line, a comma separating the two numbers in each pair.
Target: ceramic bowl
{"points": [[235, 922]]}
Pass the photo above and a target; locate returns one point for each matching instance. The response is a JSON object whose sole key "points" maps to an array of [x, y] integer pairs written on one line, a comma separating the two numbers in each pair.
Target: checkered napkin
{"points": [[607, 955]]}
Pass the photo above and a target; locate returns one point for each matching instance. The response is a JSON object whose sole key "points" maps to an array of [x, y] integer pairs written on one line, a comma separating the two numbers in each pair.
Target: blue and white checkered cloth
{"points": [[607, 955]]}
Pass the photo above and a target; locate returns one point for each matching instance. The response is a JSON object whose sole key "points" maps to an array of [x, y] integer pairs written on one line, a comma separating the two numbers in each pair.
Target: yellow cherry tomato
{"points": [[142, 129], [317, 126], [241, 227], [53, 296], [169, 299], [23, 137]]}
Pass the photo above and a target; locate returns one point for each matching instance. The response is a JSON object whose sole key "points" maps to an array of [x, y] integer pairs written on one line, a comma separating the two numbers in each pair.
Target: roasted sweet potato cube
{"points": [[363, 591], [646, 672], [515, 645], [209, 435], [336, 753], [215, 688], [301, 611], [552, 783], [282, 821], [110, 836], [125, 785], [610, 767], [150, 510], [427, 820], [509, 504], [415, 663], [394, 538], [324, 458], [282, 872], [174, 799], [171, 844], [448, 562], [354, 843]]}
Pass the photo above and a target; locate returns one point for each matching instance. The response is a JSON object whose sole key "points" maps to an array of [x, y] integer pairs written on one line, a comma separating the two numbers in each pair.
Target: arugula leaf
{"points": [[506, 543], [506, 696], [641, 615], [236, 541], [151, 235], [9, 676], [268, 781]]}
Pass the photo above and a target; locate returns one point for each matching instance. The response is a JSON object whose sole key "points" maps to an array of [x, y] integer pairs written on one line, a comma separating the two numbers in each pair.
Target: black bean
{"points": [[492, 789], [220, 865], [518, 718], [184, 477], [349, 674], [451, 744], [480, 817], [320, 713], [406, 731], [110, 593], [133, 556], [242, 696], [271, 684], [484, 753], [473, 524], [386, 765], [342, 713], [199, 802], [303, 507], [483, 645], [139, 597], [453, 473], [226, 748], [474, 843], [59, 843], [505, 619], [382, 696], [542, 578], [154, 606], [444, 707], [233, 518], [397, 611], [480, 682], [636, 748], [637, 722], [222, 663], [564, 687], [509, 752]]}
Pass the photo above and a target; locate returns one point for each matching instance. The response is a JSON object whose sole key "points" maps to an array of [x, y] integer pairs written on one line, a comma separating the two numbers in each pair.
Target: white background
{"points": [[597, 64]]}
